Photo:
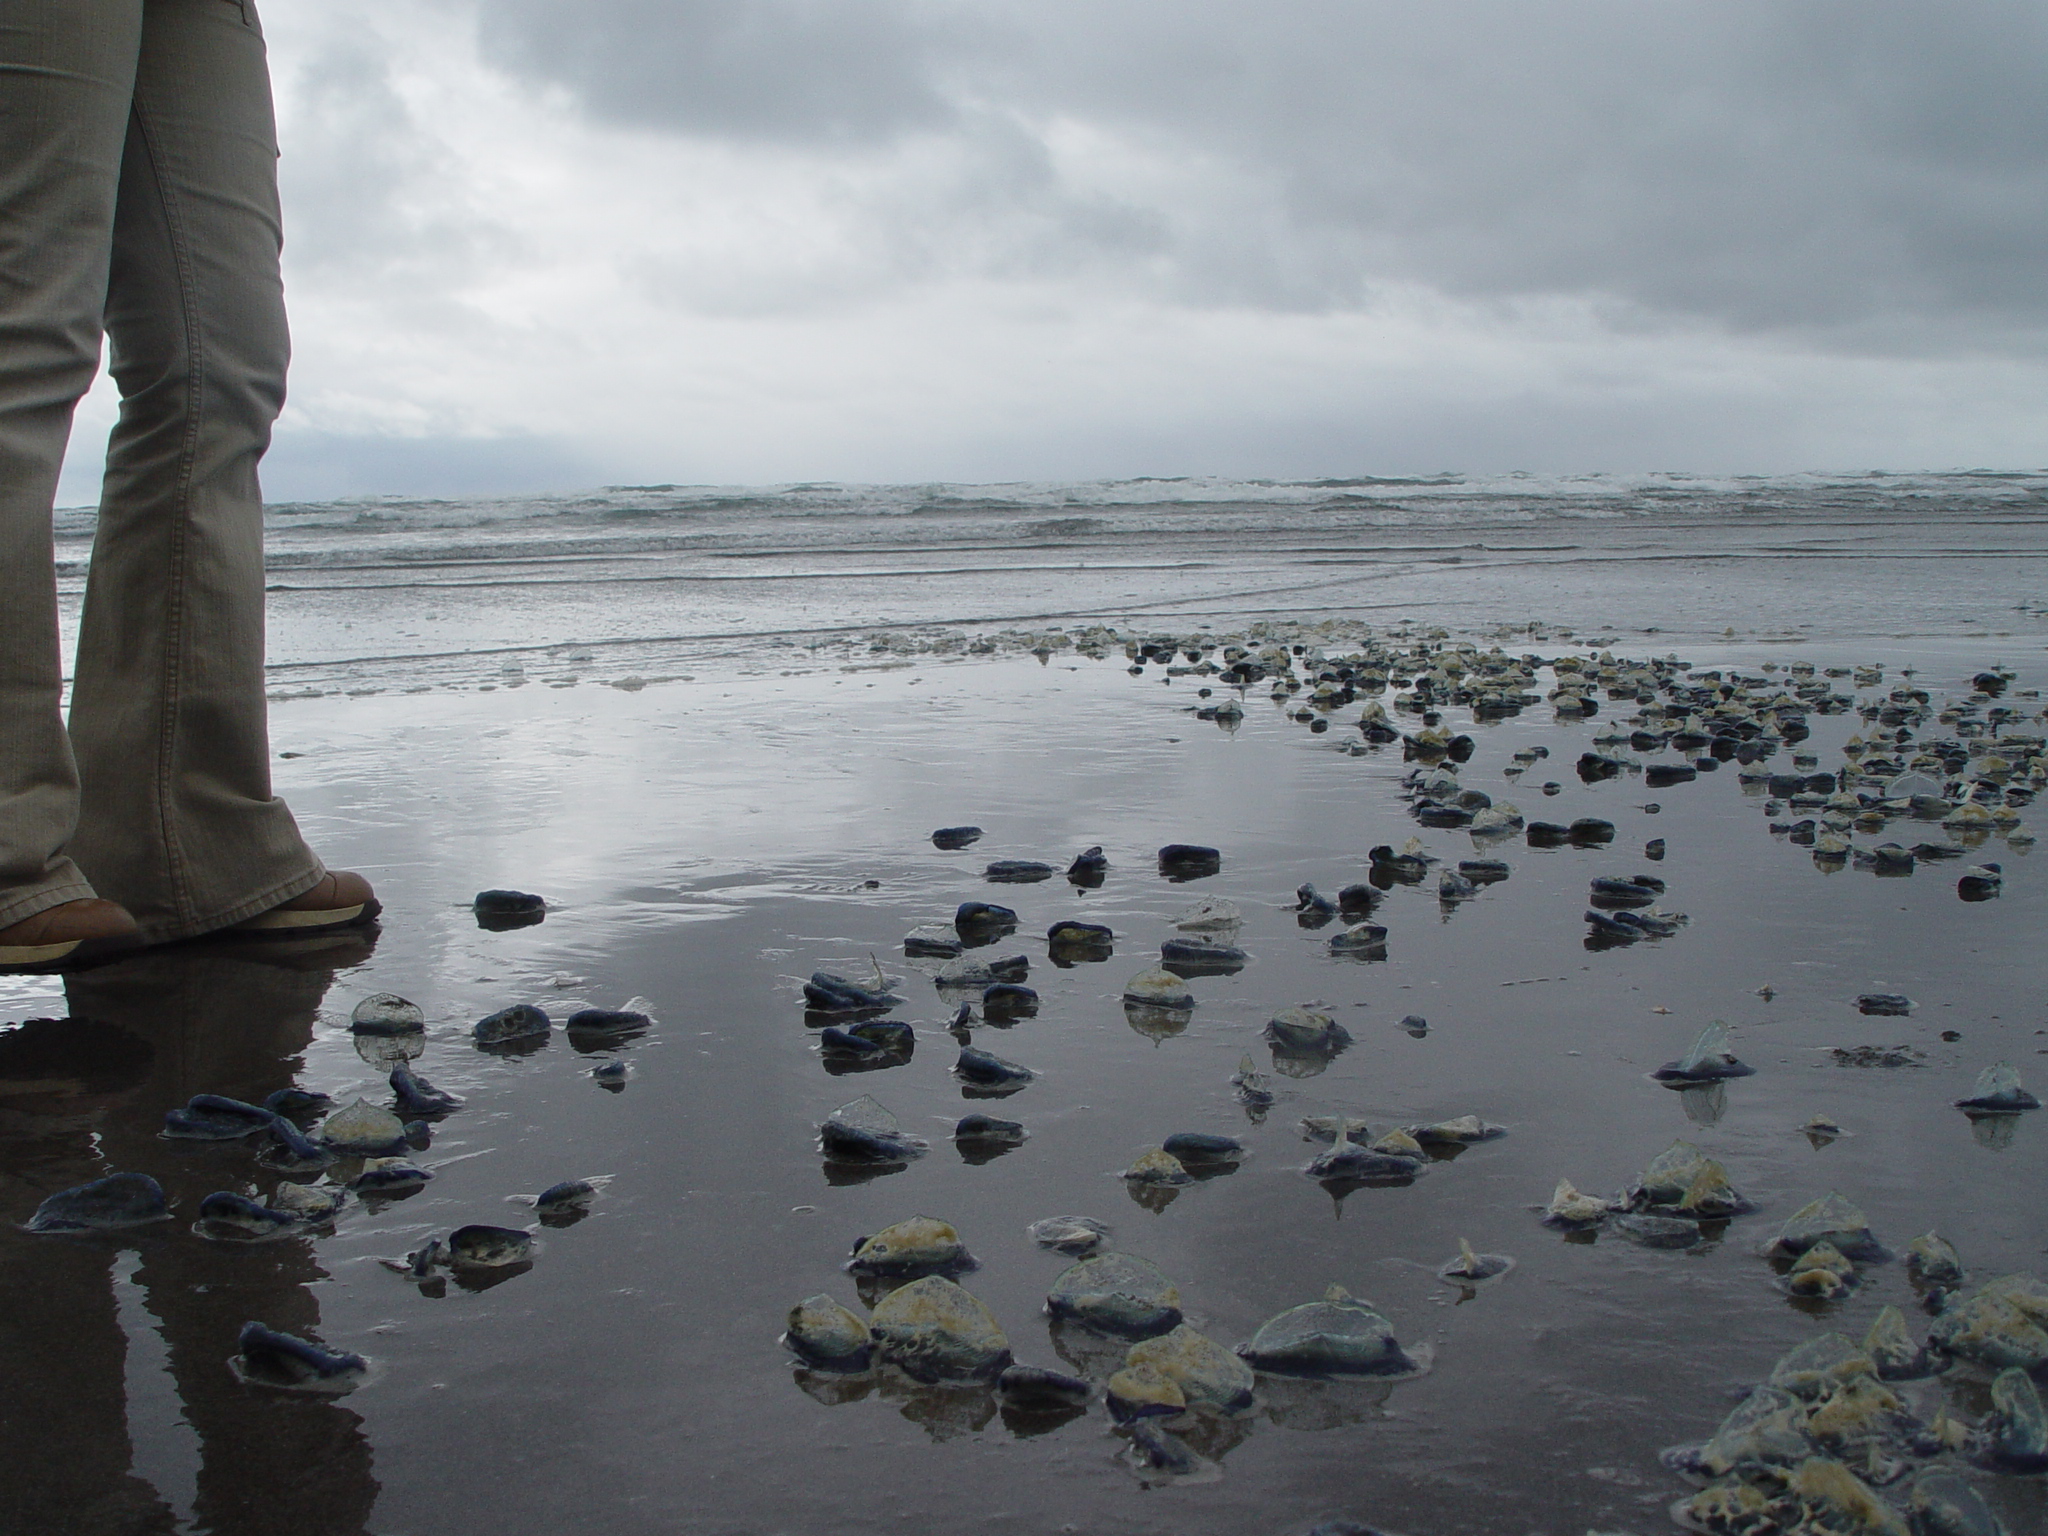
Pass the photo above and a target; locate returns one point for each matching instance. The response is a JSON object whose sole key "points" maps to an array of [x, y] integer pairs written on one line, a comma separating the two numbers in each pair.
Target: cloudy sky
{"points": [[538, 244]]}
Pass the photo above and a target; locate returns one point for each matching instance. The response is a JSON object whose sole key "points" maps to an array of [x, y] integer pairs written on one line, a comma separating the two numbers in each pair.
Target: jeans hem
{"points": [[171, 931], [41, 898]]}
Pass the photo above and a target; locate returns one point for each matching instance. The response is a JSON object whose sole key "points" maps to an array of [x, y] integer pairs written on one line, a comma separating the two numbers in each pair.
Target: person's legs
{"points": [[66, 78], [238, 1024], [65, 1440], [178, 822]]}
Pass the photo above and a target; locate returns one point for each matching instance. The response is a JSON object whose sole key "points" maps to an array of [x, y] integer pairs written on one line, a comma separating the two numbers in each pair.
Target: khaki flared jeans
{"points": [[138, 195]]}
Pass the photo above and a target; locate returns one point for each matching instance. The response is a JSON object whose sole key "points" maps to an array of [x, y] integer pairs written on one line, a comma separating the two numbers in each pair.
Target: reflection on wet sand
{"points": [[1311, 1404], [634, 1362], [82, 1097]]}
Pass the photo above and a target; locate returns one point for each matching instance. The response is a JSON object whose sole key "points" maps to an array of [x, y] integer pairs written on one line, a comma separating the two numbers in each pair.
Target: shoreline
{"points": [[665, 582]]}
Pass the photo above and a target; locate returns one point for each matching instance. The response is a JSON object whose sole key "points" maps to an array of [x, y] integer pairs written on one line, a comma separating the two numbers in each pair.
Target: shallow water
{"points": [[705, 845], [642, 581]]}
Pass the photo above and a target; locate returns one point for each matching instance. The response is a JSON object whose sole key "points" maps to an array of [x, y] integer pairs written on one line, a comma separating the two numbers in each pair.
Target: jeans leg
{"points": [[178, 821], [65, 1441], [67, 71]]}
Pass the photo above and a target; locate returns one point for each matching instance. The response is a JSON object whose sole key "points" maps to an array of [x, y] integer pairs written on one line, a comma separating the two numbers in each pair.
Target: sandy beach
{"points": [[718, 741]]}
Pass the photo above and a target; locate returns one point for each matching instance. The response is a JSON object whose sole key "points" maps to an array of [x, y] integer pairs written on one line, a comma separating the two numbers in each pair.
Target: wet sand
{"points": [[707, 844]]}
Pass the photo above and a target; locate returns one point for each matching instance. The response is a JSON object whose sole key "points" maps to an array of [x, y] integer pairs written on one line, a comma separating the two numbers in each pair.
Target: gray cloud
{"points": [[305, 465], [536, 243], [783, 70], [1874, 172], [360, 171]]}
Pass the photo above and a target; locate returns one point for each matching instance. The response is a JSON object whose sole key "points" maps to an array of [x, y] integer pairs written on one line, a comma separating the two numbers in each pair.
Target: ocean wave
{"points": [[1161, 505], [440, 573]]}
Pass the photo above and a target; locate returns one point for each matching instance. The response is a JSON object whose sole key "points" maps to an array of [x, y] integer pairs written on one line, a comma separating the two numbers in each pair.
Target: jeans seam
{"points": [[22, 908], [181, 508]]}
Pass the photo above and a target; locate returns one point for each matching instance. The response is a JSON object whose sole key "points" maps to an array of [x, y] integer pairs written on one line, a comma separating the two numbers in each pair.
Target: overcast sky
{"points": [[538, 244]]}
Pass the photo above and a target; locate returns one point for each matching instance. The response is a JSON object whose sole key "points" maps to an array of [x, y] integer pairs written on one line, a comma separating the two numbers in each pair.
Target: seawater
{"points": [[642, 580]]}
